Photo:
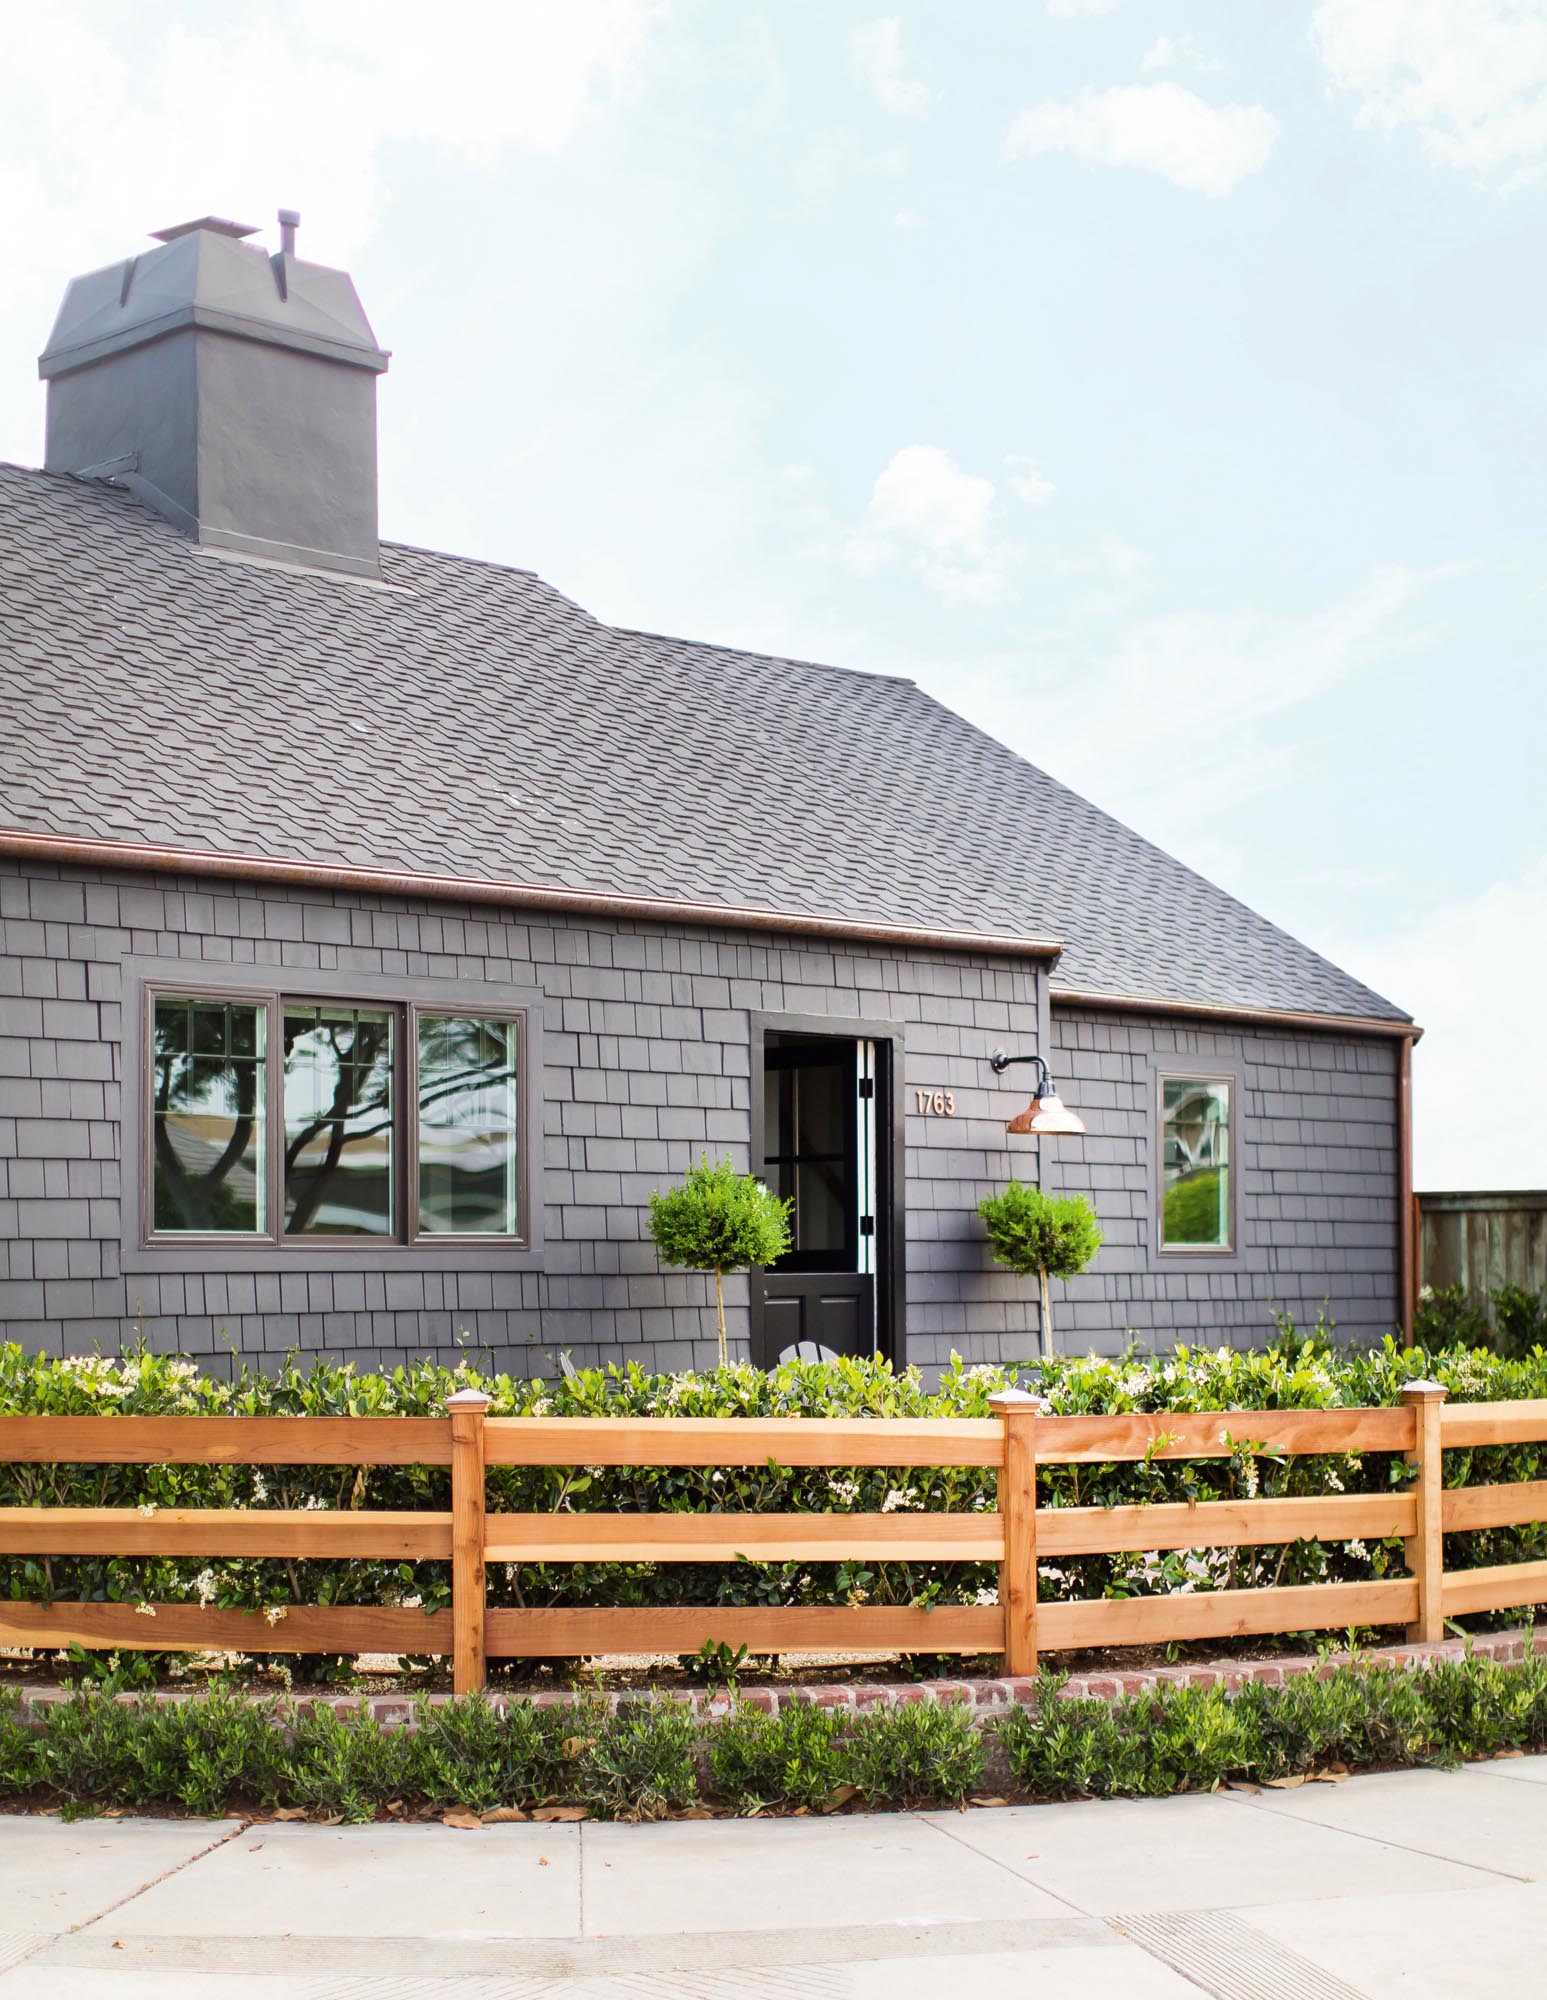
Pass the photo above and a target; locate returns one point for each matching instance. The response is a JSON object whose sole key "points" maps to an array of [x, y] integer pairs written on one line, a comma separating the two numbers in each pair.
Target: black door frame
{"points": [[891, 1158]]}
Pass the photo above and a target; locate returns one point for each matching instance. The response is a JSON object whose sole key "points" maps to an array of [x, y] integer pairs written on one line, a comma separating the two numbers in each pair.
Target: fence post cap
{"points": [[469, 1399], [1424, 1391], [1017, 1401]]}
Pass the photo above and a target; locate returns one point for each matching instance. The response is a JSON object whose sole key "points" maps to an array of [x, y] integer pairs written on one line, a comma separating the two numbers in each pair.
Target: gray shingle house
{"points": [[379, 929]]}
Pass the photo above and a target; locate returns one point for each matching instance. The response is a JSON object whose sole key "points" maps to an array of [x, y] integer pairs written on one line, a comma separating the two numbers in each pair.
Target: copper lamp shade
{"points": [[1047, 1114]]}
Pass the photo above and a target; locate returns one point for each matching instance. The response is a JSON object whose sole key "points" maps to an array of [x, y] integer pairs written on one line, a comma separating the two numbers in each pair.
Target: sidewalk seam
{"points": [[155, 1881], [1381, 1840]]}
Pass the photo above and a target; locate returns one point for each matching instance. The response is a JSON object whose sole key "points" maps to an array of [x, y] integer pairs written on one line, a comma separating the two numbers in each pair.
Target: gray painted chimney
{"points": [[233, 391]]}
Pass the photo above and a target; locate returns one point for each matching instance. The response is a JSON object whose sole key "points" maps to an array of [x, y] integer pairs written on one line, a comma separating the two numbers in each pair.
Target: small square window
{"points": [[1196, 1206]]}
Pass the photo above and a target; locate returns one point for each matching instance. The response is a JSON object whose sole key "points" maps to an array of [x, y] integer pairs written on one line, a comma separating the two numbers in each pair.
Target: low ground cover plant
{"points": [[222, 1752], [1293, 1371]]}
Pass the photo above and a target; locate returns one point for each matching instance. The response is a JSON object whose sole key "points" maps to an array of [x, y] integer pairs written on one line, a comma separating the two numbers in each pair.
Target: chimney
{"points": [[233, 391]]}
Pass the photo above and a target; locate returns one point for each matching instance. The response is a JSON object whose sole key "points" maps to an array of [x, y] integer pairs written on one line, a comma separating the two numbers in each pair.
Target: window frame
{"points": [[408, 1001], [414, 1233], [1213, 1077]]}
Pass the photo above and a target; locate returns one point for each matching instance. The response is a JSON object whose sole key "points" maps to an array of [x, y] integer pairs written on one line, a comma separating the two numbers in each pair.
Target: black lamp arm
{"points": [[999, 1062]]}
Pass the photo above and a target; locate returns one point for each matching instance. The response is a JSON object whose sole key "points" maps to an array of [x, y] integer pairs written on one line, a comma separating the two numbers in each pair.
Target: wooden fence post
{"points": [[467, 1409], [1425, 1551], [1017, 1411]]}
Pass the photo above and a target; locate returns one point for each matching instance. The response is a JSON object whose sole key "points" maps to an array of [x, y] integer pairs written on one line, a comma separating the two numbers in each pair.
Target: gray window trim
{"points": [[142, 1252], [1202, 1072]]}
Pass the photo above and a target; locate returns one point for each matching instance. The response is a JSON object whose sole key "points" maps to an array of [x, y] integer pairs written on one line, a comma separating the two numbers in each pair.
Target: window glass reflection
{"points": [[1195, 1144], [207, 1115], [469, 1126], [338, 1121]]}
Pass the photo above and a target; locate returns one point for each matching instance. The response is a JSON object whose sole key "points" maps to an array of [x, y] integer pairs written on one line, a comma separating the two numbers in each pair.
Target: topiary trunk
{"points": [[719, 1299], [1045, 1328]]}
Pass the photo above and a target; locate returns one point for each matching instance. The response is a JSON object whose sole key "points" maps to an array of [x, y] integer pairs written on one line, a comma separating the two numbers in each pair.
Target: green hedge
{"points": [[1293, 1373], [221, 1752]]}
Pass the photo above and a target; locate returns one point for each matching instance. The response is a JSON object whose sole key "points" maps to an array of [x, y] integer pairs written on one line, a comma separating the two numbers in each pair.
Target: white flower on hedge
{"points": [[898, 1499], [145, 1611], [206, 1587], [260, 1491], [147, 1509], [313, 1504], [1357, 1550], [1334, 1482], [988, 1597], [845, 1491], [274, 1614]]}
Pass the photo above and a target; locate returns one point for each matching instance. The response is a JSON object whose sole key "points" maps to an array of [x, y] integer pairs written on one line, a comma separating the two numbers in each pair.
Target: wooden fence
{"points": [[1482, 1241], [1015, 1441]]}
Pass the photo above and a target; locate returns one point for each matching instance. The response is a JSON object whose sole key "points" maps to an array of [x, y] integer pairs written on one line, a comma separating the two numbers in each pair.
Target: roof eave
{"points": [[1208, 1010], [91, 852]]}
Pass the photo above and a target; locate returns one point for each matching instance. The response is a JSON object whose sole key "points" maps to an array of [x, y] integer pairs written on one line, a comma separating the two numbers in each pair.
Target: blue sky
{"points": [[1160, 382]]}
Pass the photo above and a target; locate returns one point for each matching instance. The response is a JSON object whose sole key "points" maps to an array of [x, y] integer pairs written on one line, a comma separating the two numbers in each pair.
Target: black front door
{"points": [[819, 1151]]}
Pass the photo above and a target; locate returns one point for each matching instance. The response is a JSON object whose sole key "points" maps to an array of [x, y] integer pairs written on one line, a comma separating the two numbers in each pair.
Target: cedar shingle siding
{"points": [[1316, 1154], [645, 1063]]}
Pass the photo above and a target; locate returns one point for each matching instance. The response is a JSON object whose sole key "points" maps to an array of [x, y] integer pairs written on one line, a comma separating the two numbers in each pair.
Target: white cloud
{"points": [[834, 158], [1208, 149], [1026, 482], [108, 135], [1072, 10], [1178, 52], [1117, 574], [944, 522], [1469, 76], [1472, 973], [883, 64], [909, 218], [1195, 691]]}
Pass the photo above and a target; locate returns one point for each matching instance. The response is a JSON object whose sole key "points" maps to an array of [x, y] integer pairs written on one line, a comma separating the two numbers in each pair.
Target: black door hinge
{"points": [[867, 1225], [867, 1086]]}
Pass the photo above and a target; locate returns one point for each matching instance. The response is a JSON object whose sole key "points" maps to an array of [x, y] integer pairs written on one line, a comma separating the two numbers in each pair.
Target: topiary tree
{"points": [[1055, 1235], [719, 1220]]}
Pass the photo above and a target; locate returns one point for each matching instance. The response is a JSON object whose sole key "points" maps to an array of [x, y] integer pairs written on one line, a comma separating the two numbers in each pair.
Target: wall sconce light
{"points": [[1047, 1111]]}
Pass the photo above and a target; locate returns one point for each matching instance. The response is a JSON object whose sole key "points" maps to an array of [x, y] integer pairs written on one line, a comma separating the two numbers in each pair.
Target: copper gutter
{"points": [[1267, 1017], [1407, 1217], [89, 852]]}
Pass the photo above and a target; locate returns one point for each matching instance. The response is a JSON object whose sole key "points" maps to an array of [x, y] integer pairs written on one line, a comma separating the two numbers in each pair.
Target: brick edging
{"points": [[986, 1697]]}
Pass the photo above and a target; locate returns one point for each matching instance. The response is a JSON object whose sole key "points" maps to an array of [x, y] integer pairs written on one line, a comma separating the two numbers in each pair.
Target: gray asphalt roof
{"points": [[469, 719]]}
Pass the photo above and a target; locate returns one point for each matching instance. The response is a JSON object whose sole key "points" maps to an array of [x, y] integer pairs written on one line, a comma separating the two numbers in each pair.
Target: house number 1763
{"points": [[936, 1103]]}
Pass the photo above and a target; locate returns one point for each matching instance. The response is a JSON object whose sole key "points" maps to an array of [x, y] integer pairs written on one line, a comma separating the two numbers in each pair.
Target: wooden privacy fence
{"points": [[1015, 1441]]}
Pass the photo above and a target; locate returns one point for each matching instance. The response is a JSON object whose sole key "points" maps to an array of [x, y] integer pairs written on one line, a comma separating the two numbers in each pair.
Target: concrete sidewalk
{"points": [[1415, 1884]]}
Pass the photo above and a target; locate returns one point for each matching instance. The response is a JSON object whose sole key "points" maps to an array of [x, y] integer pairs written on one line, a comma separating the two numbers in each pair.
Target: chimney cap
{"points": [[217, 224]]}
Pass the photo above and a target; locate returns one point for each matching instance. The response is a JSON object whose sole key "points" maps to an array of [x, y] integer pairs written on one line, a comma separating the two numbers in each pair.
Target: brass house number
{"points": [[936, 1103]]}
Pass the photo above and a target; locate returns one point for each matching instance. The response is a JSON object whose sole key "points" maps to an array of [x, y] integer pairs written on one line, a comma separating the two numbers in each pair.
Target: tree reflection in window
{"points": [[469, 1131], [207, 1115], [338, 1121], [1195, 1154]]}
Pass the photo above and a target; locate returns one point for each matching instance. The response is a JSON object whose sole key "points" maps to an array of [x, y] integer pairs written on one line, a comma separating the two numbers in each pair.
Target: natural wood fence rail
{"points": [[1013, 1442]]}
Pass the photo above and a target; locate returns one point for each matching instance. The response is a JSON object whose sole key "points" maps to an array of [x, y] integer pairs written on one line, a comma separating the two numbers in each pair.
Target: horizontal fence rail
{"points": [[1014, 1442]]}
